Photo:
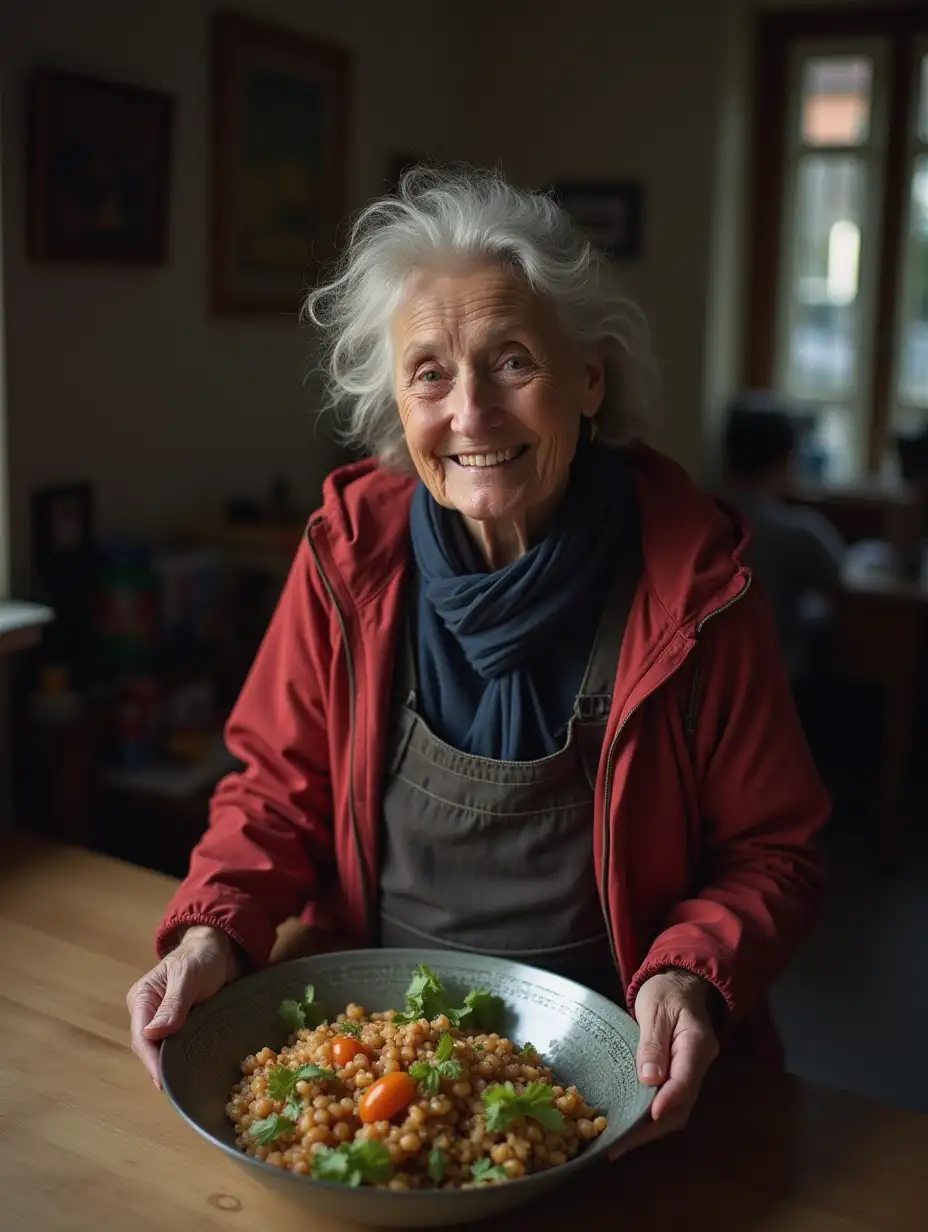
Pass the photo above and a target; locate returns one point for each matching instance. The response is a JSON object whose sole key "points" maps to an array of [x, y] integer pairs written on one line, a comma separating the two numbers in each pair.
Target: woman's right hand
{"points": [[204, 960]]}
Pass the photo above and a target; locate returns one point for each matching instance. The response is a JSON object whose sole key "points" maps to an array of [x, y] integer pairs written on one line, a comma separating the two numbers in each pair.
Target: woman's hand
{"points": [[676, 1048], [204, 960]]}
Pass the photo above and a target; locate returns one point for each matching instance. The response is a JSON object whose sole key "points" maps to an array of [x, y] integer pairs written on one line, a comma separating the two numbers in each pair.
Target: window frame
{"points": [[916, 147], [904, 29]]}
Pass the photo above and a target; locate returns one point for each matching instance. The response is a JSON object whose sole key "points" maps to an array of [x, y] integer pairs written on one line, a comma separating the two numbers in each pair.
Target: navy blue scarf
{"points": [[501, 655]]}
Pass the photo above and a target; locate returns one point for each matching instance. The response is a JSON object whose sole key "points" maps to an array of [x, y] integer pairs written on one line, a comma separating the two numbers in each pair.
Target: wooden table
{"points": [[88, 1145]]}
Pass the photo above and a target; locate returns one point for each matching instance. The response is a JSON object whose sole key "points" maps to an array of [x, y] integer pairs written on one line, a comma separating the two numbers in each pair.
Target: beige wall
{"points": [[627, 91], [122, 376]]}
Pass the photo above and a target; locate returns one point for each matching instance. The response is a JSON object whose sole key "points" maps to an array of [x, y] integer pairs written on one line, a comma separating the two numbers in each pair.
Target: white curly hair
{"points": [[465, 212]]}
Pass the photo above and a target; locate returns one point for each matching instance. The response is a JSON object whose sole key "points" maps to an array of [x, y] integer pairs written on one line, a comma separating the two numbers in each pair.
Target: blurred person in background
{"points": [[518, 697], [794, 551]]}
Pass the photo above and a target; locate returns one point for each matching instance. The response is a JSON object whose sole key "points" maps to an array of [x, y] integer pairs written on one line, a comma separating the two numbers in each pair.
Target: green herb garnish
{"points": [[484, 1008], [486, 1170], [503, 1106], [353, 1163], [350, 1027], [293, 1108], [531, 1050], [426, 998], [438, 1161], [430, 1073], [281, 1080], [271, 1128], [298, 1014]]}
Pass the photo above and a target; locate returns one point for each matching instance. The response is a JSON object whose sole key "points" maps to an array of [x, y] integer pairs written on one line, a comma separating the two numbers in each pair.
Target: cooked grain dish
{"points": [[423, 1104]]}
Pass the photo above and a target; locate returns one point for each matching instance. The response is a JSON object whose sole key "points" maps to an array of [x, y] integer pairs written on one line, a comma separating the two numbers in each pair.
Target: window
{"points": [[911, 358], [4, 487], [838, 288]]}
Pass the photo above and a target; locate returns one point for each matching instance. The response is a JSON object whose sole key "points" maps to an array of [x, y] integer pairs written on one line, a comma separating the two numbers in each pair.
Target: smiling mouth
{"points": [[487, 461]]}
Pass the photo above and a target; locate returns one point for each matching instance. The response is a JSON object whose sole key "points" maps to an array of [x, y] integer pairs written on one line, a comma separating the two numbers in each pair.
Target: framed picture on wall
{"points": [[610, 211], [99, 162], [62, 523], [281, 104], [64, 570]]}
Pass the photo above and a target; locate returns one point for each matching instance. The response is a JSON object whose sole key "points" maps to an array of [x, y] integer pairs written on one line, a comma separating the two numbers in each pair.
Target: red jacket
{"points": [[707, 801]]}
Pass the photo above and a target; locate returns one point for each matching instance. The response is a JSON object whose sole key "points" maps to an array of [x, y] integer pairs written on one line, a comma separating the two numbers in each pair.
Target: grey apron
{"points": [[497, 856]]}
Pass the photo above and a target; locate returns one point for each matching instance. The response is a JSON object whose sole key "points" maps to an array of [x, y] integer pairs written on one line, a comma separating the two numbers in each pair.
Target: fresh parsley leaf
{"points": [[350, 1027], [281, 1080], [309, 999], [271, 1128], [483, 1009], [333, 1165], [438, 1161], [531, 1050], [309, 1073], [292, 1016], [353, 1163], [503, 1106], [293, 1108], [298, 1014], [485, 1170], [428, 1075], [426, 998]]}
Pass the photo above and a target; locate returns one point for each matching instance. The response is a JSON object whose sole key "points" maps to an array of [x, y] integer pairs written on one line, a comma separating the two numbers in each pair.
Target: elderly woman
{"points": [[519, 695]]}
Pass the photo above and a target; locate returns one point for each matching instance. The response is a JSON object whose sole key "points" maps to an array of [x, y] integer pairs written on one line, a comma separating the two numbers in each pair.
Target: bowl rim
{"points": [[593, 1152]]}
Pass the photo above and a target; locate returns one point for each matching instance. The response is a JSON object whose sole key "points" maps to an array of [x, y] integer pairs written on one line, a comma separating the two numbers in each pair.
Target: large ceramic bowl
{"points": [[585, 1038]]}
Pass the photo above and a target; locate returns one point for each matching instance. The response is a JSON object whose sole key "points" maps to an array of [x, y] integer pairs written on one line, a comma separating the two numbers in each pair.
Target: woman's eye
{"points": [[429, 376], [513, 363]]}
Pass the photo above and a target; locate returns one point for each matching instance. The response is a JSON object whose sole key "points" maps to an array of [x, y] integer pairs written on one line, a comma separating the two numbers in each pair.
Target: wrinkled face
{"points": [[491, 391]]}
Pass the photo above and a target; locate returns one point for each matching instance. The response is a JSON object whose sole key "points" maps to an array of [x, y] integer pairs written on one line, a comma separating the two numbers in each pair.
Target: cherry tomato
{"points": [[345, 1049], [386, 1097]]}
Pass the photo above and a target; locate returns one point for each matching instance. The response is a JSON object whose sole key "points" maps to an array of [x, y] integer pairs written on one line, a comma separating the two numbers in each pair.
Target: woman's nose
{"points": [[473, 409]]}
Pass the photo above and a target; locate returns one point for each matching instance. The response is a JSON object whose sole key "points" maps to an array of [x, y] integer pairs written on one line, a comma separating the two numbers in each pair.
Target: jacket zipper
{"points": [[349, 660], [610, 761]]}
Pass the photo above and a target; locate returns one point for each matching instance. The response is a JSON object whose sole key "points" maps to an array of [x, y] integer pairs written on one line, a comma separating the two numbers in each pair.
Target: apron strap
{"points": [[599, 678], [403, 703], [410, 674], [594, 701]]}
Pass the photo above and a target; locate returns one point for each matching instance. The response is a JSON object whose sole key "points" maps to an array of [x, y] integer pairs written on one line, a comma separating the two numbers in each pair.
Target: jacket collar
{"points": [[693, 546]]}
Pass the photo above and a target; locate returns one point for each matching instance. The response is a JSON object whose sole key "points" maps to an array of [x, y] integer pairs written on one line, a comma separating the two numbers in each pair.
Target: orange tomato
{"points": [[386, 1097], [345, 1049]]}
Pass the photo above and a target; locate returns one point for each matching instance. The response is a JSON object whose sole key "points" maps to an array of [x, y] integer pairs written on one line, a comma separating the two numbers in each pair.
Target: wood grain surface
{"points": [[87, 1143]]}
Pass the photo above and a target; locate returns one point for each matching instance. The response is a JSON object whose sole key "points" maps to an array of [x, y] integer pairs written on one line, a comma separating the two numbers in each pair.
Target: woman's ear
{"points": [[594, 387]]}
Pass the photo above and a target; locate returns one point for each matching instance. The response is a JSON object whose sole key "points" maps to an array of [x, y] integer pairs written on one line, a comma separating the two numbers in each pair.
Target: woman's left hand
{"points": [[676, 1048]]}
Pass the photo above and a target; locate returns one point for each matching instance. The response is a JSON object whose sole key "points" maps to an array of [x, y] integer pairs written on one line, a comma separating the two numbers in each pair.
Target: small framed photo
{"points": [[611, 212], [99, 162], [62, 525], [281, 130]]}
